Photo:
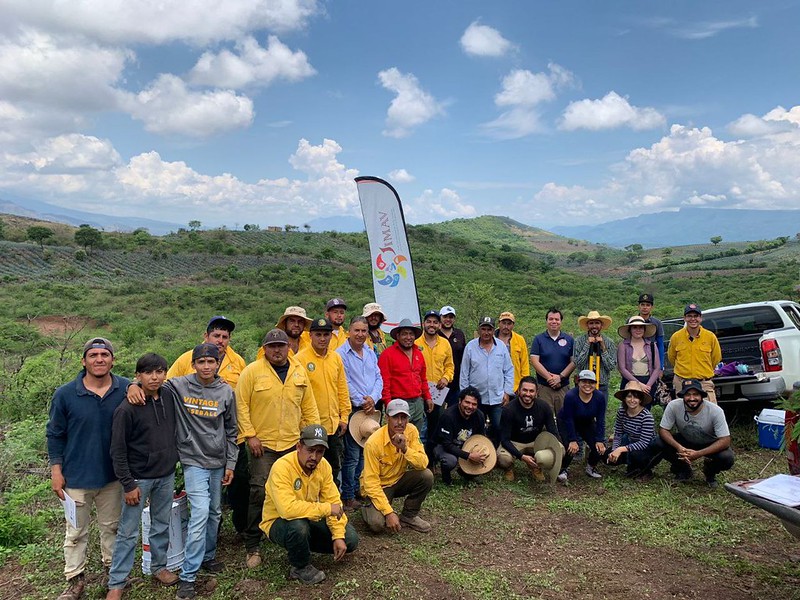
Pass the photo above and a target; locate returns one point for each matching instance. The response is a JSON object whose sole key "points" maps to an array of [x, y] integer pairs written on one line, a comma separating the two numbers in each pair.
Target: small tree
{"points": [[290, 228], [251, 227], [88, 237], [194, 225], [37, 233], [667, 251], [716, 239], [307, 227]]}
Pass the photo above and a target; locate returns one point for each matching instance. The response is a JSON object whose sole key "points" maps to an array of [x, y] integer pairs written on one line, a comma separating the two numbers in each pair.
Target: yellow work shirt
{"points": [[384, 464], [291, 494], [230, 369], [520, 357], [302, 344], [438, 359], [272, 410], [329, 383], [694, 359]]}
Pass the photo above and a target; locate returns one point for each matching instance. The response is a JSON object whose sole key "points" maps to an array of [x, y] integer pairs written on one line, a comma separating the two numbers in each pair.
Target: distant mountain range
{"points": [[688, 226]]}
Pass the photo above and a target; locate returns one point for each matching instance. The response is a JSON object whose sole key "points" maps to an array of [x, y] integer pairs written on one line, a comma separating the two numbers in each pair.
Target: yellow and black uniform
{"points": [[329, 383], [694, 357], [230, 369], [438, 359]]}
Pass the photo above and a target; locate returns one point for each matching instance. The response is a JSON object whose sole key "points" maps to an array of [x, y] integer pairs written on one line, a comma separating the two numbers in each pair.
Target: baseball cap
{"points": [[314, 435], [447, 310], [220, 322], [334, 303], [587, 375], [693, 384], [98, 342], [486, 321], [507, 315], [275, 336], [692, 308], [321, 325], [205, 350], [646, 298], [396, 407], [432, 313]]}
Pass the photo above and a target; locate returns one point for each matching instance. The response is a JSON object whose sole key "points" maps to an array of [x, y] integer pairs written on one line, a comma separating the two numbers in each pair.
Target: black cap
{"points": [[98, 342], [314, 435], [692, 308], [646, 298], [321, 325], [205, 350], [432, 313], [692, 384], [486, 321], [334, 303], [220, 322]]}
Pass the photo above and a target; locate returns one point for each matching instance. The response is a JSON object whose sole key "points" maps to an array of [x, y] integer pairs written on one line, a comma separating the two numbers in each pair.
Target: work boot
{"points": [[351, 504], [416, 523], [186, 590], [537, 473], [75, 587], [166, 577], [212, 565], [253, 559], [115, 594], [308, 574], [508, 474]]}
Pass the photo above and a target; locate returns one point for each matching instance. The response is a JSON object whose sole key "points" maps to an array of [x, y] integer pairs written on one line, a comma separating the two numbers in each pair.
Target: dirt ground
{"points": [[60, 324]]}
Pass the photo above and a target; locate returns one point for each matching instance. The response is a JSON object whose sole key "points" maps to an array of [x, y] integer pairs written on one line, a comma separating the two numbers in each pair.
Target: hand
{"points": [[57, 481], [429, 406], [342, 428], [689, 455], [369, 405], [600, 447], [393, 522], [135, 395], [573, 448], [399, 441], [614, 456], [645, 387], [506, 398], [477, 457], [132, 498], [337, 511], [442, 383], [339, 549], [554, 381], [256, 449], [529, 460], [228, 477]]}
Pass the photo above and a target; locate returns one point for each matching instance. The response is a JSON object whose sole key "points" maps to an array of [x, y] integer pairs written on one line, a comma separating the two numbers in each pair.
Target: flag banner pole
{"points": [[390, 255]]}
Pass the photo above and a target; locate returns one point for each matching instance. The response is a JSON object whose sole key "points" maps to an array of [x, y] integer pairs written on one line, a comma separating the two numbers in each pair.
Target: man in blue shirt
{"points": [[551, 358], [366, 385], [79, 450], [487, 367]]}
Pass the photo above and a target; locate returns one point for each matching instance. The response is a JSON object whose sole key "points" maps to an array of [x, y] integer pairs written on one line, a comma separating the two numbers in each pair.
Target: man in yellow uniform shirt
{"points": [[295, 323], [302, 509], [516, 344], [694, 353], [329, 382], [395, 464], [274, 400], [440, 369], [218, 332]]}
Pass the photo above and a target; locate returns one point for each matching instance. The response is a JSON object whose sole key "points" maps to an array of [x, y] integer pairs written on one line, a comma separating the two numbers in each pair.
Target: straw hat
{"points": [[593, 315], [624, 331], [482, 444], [548, 454], [636, 388], [293, 311], [362, 425]]}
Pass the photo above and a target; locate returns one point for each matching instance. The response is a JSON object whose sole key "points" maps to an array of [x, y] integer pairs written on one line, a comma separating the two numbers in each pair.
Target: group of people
{"points": [[383, 415]]}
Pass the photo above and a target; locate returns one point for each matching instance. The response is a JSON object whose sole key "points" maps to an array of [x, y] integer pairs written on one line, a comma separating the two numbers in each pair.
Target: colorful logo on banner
{"points": [[389, 268]]}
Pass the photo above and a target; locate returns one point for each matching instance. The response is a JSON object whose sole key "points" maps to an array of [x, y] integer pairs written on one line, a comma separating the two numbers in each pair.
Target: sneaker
{"points": [[75, 587], [308, 574], [562, 477], [416, 523], [351, 504], [115, 594], [166, 577], [186, 590], [592, 472], [508, 474], [253, 559], [213, 565]]}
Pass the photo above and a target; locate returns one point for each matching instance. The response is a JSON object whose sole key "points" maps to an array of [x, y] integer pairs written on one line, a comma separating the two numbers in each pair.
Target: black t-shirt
{"points": [[454, 429], [522, 425]]}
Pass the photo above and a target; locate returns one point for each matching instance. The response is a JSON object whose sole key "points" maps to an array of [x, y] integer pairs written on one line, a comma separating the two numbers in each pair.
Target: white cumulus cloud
{"points": [[482, 40], [251, 65], [610, 112], [401, 176], [411, 107], [433, 206]]}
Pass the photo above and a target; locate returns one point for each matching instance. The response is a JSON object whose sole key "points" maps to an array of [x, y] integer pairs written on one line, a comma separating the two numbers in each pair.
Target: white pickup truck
{"points": [[763, 335]]}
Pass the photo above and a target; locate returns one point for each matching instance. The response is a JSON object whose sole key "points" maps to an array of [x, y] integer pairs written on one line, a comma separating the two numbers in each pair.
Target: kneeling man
{"points": [[702, 432], [395, 464], [456, 425], [302, 509]]}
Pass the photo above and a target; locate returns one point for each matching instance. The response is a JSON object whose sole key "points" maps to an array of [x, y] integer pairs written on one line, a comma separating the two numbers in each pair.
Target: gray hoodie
{"points": [[205, 418]]}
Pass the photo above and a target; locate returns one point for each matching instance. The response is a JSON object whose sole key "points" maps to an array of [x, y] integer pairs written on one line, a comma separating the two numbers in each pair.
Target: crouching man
{"points": [[395, 464], [302, 508]]}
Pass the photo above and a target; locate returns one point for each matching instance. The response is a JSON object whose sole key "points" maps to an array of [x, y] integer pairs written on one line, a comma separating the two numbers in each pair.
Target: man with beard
{"points": [[516, 344], [376, 339], [405, 375], [294, 322], [701, 432], [395, 465], [487, 367], [335, 312], [456, 425], [218, 332], [457, 341], [365, 386], [524, 418], [274, 400], [302, 508], [595, 351], [439, 366], [551, 358]]}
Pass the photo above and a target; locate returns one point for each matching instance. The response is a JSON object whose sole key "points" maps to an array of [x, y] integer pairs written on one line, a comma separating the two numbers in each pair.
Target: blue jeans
{"points": [[493, 412], [352, 465], [204, 489], [160, 492]]}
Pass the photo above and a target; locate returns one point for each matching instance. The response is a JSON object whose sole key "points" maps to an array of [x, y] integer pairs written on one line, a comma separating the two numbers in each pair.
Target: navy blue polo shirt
{"points": [[554, 354]]}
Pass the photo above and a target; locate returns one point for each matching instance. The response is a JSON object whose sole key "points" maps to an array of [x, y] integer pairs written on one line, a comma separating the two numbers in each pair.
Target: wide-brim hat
{"points": [[479, 443], [548, 454], [406, 324], [636, 387], [293, 311], [593, 315], [371, 309], [624, 331], [363, 425]]}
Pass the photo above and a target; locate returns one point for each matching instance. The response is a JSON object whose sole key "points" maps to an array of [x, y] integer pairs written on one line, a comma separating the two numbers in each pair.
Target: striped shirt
{"points": [[639, 431]]}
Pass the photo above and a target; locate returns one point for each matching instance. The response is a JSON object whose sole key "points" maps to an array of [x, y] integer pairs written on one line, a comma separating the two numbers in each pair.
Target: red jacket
{"points": [[403, 378]]}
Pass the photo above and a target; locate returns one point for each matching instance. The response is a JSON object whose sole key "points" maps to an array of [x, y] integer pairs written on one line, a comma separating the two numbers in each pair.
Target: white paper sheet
{"points": [[783, 489], [70, 511], [437, 396]]}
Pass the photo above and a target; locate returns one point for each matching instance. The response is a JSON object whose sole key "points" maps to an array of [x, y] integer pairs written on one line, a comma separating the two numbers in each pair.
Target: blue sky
{"points": [[263, 111]]}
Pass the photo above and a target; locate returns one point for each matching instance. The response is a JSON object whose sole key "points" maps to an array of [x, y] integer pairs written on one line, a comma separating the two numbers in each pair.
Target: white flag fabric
{"points": [[392, 273]]}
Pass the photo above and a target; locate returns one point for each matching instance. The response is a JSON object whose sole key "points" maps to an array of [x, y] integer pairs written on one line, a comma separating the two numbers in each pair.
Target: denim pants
{"points": [[493, 412], [352, 465], [204, 490], [160, 491], [301, 537]]}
